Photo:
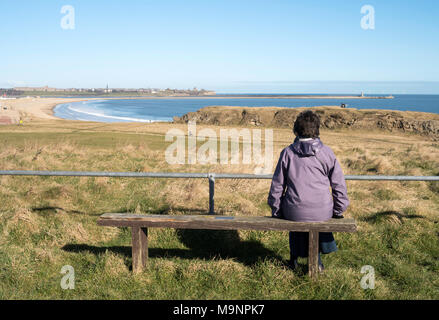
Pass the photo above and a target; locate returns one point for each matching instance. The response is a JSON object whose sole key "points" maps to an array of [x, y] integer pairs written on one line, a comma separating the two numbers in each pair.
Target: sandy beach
{"points": [[41, 108]]}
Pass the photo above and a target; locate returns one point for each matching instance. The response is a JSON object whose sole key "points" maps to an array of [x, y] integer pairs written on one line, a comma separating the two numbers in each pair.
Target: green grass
{"points": [[49, 222]]}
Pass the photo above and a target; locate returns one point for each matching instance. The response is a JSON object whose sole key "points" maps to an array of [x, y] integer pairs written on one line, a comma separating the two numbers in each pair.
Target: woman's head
{"points": [[307, 125]]}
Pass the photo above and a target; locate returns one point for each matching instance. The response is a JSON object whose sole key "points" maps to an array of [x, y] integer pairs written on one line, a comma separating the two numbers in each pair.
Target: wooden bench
{"points": [[140, 224]]}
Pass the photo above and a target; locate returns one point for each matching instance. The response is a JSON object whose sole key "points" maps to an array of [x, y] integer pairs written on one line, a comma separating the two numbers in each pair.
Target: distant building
{"points": [[39, 89], [107, 90], [146, 91]]}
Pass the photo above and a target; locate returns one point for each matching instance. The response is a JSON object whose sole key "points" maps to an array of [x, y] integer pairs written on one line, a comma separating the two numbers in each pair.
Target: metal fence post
{"points": [[211, 193]]}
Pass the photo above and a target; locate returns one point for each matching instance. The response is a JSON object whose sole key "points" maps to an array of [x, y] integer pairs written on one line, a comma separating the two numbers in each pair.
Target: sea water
{"points": [[164, 109]]}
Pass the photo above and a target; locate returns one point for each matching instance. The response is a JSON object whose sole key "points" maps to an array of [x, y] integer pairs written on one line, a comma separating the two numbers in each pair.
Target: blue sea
{"points": [[153, 110]]}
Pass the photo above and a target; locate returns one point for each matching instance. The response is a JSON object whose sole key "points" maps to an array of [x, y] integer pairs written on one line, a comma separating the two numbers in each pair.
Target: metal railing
{"points": [[210, 176]]}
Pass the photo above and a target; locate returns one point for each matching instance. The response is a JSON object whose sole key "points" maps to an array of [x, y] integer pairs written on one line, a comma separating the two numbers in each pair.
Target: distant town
{"points": [[46, 91], [107, 91]]}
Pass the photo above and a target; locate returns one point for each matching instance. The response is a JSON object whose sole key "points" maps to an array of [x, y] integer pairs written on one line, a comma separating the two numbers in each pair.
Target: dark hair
{"points": [[307, 125]]}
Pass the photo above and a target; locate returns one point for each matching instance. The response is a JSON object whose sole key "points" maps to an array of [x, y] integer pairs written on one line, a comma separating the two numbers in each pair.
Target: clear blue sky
{"points": [[228, 46]]}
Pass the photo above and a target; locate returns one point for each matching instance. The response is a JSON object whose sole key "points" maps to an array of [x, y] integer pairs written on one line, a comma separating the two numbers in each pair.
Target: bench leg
{"points": [[313, 254], [139, 248]]}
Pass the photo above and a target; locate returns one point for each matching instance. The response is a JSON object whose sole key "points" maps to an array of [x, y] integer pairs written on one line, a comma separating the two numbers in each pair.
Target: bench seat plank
{"points": [[215, 222]]}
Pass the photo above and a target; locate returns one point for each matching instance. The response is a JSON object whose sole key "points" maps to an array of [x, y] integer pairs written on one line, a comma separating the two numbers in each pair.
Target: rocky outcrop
{"points": [[331, 118]]}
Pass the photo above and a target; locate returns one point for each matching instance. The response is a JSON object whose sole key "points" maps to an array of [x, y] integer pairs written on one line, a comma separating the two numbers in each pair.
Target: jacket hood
{"points": [[307, 148]]}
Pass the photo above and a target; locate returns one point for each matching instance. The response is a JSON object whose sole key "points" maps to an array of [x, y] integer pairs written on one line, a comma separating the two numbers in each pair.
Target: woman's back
{"points": [[302, 182]]}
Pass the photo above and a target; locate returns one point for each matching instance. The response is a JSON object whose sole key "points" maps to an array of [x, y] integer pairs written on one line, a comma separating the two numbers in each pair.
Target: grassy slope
{"points": [[48, 222]]}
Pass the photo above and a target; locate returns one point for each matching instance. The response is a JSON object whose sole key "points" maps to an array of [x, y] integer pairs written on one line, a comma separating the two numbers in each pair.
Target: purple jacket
{"points": [[302, 183]]}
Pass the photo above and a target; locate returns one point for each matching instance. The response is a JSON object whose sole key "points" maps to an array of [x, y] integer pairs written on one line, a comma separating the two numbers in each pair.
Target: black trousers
{"points": [[299, 242]]}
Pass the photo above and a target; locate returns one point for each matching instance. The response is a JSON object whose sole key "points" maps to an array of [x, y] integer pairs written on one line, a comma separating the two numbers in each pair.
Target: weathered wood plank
{"points": [[144, 245], [313, 254], [224, 223], [139, 248]]}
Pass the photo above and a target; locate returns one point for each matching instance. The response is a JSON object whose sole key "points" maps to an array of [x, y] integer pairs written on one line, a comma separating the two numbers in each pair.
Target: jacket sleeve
{"points": [[339, 189], [278, 184]]}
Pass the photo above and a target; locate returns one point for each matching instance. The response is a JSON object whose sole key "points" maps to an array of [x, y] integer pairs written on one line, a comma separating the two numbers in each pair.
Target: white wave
{"points": [[93, 102], [101, 115]]}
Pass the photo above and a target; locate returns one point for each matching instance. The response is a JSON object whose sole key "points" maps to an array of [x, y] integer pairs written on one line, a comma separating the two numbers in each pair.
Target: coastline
{"points": [[231, 96], [39, 108], [43, 108]]}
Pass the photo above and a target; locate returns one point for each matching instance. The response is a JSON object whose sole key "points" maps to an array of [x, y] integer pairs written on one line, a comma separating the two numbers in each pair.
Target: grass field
{"points": [[49, 222]]}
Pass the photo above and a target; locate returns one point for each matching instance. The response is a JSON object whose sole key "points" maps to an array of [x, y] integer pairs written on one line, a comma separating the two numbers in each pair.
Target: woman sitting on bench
{"points": [[306, 172]]}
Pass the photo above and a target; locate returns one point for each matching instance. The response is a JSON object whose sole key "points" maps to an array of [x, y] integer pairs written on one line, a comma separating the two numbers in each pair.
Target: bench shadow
{"points": [[202, 244], [48, 210], [224, 244], [380, 216], [51, 209], [80, 247], [124, 251]]}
